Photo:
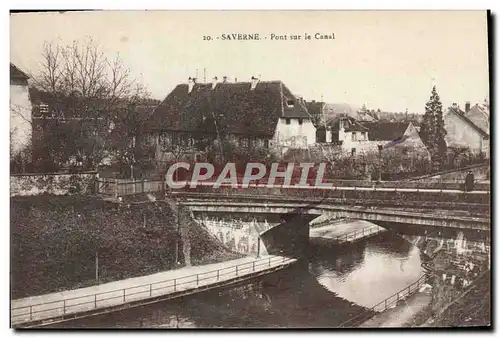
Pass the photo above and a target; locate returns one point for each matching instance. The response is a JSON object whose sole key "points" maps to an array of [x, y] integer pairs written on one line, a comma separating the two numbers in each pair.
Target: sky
{"points": [[387, 60]]}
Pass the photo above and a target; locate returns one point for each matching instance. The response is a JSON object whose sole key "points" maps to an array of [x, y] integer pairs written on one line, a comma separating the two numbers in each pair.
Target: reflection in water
{"points": [[371, 271], [337, 283]]}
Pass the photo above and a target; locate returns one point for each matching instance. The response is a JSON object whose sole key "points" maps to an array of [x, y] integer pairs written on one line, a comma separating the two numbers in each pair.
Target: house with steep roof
{"points": [[479, 115], [463, 132], [249, 114], [20, 110], [401, 136], [362, 137]]}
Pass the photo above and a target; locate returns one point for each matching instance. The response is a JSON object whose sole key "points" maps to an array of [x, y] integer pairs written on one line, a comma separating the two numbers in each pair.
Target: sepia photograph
{"points": [[222, 169]]}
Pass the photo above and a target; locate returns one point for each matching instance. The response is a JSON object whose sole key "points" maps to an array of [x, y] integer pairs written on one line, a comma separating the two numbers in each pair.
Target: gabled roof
{"points": [[233, 106], [350, 124], [461, 114], [315, 108], [385, 131], [479, 116], [16, 73]]}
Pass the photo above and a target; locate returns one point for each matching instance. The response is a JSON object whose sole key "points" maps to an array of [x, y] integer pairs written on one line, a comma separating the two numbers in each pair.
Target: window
{"points": [[266, 143], [353, 152], [363, 135], [405, 151], [289, 103], [354, 136], [287, 120], [300, 122]]}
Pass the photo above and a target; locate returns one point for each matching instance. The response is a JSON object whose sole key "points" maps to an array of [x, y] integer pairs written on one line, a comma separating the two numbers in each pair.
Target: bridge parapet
{"points": [[442, 219], [355, 193]]}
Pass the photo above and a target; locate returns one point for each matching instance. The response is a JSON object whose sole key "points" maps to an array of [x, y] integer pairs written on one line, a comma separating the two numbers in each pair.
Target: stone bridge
{"points": [[290, 236]]}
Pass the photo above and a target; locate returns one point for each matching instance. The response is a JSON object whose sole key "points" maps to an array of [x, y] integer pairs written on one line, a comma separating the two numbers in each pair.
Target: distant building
{"points": [[402, 136], [363, 137], [462, 132], [20, 110], [249, 114]]}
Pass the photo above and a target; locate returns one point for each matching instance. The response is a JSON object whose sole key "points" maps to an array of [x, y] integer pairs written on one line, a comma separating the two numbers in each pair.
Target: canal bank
{"points": [[458, 289], [115, 296], [323, 291]]}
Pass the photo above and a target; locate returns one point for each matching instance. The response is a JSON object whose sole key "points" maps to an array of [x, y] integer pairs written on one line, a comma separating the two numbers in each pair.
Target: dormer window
{"points": [[290, 103]]}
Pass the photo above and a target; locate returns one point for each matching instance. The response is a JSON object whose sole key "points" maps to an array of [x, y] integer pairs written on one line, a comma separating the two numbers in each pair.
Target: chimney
{"points": [[313, 101], [214, 82], [224, 79], [191, 83], [254, 82], [467, 106], [454, 105], [235, 79]]}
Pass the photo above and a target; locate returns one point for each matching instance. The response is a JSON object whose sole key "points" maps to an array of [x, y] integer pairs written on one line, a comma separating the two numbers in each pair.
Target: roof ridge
{"points": [[461, 113]]}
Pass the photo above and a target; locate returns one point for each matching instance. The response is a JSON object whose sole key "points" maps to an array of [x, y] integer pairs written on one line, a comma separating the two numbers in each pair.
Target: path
{"points": [[347, 231], [141, 290], [402, 313]]}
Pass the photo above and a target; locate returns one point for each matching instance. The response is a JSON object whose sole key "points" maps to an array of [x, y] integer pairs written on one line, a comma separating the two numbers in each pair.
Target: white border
{"points": [[199, 4]]}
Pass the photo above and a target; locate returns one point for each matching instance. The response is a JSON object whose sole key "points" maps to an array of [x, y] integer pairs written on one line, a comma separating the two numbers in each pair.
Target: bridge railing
{"points": [[360, 233], [121, 187], [393, 194], [93, 301]]}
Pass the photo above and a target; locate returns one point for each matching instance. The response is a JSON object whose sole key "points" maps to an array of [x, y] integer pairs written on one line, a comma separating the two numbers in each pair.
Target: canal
{"points": [[332, 285]]}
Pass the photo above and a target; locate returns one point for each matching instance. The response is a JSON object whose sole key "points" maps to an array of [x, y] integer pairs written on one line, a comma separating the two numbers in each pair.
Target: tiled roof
{"points": [[385, 131], [460, 113], [232, 106], [314, 108], [16, 73]]}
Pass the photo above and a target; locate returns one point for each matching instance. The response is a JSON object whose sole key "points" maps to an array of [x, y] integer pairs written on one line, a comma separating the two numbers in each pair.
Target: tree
{"points": [[132, 152], [432, 129], [88, 93]]}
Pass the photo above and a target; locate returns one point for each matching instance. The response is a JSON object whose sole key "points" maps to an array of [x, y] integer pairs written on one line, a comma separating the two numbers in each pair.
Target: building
{"points": [[20, 111], [350, 134], [400, 136], [479, 115], [363, 137], [462, 132], [249, 114]]}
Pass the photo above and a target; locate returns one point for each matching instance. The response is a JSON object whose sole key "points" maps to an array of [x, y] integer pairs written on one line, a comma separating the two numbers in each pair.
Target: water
{"points": [[337, 282]]}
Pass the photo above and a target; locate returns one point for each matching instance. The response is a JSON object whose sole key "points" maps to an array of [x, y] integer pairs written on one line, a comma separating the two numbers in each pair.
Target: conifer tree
{"points": [[432, 130]]}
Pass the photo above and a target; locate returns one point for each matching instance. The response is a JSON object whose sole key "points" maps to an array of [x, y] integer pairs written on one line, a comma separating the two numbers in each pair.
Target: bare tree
{"points": [[89, 92]]}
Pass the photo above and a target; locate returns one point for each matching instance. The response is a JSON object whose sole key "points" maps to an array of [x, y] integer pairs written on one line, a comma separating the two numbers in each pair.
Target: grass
{"points": [[54, 240]]}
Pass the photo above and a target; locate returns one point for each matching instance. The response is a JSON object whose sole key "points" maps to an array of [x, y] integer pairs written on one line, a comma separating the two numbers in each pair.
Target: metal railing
{"points": [[386, 303], [353, 235], [116, 297], [121, 187]]}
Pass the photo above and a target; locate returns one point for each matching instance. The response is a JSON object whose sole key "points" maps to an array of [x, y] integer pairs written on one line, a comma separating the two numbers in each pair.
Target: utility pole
{"points": [[379, 162], [133, 159], [178, 235], [97, 252]]}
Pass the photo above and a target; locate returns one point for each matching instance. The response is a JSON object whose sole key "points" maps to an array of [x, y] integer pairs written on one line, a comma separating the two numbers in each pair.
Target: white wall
{"points": [[295, 135], [20, 117], [460, 134]]}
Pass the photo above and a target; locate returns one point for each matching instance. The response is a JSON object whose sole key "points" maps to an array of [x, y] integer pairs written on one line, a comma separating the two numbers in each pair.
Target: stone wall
{"points": [[53, 184]]}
